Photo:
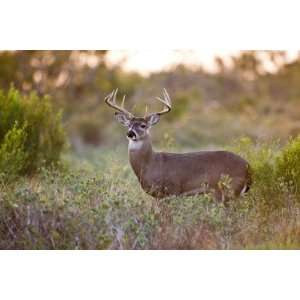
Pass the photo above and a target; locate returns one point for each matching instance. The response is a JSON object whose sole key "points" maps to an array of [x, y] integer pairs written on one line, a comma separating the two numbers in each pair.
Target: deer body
{"points": [[171, 174], [166, 174]]}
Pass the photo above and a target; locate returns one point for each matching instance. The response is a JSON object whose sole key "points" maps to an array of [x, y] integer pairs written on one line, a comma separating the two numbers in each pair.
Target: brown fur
{"points": [[165, 174]]}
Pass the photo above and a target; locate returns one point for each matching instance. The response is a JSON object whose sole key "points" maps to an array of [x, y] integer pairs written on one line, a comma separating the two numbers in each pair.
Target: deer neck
{"points": [[140, 154]]}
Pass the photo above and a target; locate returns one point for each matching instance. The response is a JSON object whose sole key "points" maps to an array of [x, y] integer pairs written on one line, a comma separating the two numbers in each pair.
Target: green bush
{"points": [[288, 165], [31, 133], [13, 156], [261, 157]]}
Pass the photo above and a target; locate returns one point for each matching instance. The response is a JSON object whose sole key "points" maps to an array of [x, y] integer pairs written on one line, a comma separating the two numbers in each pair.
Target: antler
{"points": [[166, 101], [110, 100]]}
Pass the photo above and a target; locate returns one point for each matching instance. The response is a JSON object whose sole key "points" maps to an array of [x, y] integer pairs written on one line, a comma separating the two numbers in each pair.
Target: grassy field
{"points": [[94, 201]]}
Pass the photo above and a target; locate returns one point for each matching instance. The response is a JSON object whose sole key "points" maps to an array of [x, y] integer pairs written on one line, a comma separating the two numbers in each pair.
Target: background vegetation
{"points": [[85, 196]]}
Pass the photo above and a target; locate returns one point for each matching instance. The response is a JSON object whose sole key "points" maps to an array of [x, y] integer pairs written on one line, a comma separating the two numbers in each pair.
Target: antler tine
{"points": [[167, 96], [146, 111], [123, 101], [110, 100], [166, 101]]}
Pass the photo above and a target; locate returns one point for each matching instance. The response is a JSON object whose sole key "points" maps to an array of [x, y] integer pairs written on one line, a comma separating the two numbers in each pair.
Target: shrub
{"points": [[288, 165], [261, 157], [267, 190], [13, 157], [31, 133]]}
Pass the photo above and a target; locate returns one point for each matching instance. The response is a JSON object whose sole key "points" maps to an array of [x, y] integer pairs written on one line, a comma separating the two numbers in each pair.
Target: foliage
{"points": [[97, 203], [31, 134], [13, 156], [288, 165]]}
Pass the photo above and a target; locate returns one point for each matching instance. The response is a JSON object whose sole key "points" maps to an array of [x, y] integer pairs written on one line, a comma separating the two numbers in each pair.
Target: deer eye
{"points": [[143, 126]]}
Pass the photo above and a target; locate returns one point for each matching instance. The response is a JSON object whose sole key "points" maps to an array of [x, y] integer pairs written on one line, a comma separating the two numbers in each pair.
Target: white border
{"points": [[149, 275], [156, 24]]}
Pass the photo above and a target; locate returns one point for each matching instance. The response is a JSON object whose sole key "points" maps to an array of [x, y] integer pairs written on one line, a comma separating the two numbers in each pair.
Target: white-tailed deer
{"points": [[164, 174]]}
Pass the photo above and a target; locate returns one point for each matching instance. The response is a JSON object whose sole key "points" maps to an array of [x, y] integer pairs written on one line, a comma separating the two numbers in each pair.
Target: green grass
{"points": [[94, 201]]}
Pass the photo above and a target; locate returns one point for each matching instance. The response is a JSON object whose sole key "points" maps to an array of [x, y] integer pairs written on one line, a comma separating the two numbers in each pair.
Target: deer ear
{"points": [[122, 118], [153, 119]]}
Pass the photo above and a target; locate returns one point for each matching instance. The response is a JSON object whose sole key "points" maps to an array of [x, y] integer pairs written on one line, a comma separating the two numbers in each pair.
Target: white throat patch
{"points": [[134, 145]]}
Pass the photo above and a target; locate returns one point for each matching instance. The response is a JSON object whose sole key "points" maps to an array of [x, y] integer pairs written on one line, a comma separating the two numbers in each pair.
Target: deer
{"points": [[163, 174]]}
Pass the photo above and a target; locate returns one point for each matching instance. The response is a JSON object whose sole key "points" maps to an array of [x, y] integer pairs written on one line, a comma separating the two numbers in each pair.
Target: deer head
{"points": [[138, 127]]}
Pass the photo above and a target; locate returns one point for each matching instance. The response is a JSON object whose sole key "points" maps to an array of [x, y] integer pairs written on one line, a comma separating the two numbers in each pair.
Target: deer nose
{"points": [[131, 134]]}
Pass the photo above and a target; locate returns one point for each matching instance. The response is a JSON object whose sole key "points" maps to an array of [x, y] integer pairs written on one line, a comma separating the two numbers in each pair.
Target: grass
{"points": [[94, 201]]}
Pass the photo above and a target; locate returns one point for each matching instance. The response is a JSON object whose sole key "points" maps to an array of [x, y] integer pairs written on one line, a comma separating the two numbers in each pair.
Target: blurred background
{"points": [[217, 96]]}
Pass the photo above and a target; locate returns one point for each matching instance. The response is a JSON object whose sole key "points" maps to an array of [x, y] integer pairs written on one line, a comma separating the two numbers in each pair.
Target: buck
{"points": [[164, 174]]}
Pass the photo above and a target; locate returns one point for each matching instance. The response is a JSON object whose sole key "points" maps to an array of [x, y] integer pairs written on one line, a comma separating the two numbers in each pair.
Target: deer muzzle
{"points": [[131, 134]]}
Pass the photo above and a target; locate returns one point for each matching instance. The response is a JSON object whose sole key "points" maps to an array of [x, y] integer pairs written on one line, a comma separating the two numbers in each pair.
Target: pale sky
{"points": [[147, 61]]}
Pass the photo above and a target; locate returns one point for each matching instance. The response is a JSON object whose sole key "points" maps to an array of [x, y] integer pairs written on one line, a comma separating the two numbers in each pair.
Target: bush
{"points": [[288, 165], [267, 190], [31, 133], [261, 157], [13, 157]]}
